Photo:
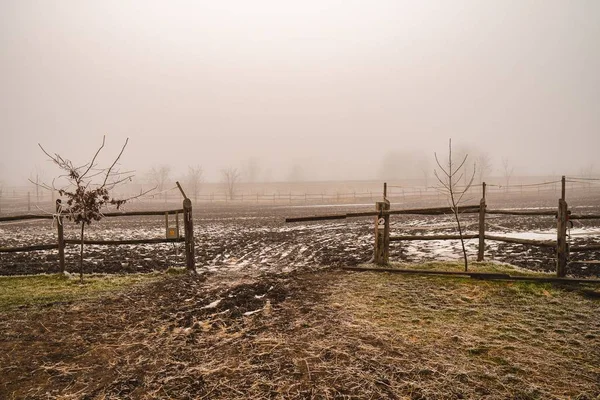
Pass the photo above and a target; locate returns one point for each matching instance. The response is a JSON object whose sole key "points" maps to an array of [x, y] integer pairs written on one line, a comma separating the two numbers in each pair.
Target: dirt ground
{"points": [[248, 237], [327, 334]]}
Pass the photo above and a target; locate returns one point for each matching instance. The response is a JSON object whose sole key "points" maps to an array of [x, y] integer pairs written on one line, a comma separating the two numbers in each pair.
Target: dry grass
{"points": [[329, 334]]}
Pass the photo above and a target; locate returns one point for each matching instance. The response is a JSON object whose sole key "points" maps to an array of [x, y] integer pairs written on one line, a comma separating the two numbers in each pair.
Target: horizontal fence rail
{"points": [[431, 237], [111, 214]]}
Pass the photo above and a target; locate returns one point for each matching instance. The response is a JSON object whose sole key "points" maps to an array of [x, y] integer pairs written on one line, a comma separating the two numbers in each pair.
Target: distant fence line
{"points": [[23, 199]]}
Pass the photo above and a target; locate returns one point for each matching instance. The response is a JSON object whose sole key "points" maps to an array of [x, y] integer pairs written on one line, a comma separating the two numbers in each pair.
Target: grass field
{"points": [[326, 334]]}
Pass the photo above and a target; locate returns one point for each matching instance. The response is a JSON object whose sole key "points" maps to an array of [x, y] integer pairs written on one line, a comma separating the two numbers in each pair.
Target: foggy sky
{"points": [[331, 86]]}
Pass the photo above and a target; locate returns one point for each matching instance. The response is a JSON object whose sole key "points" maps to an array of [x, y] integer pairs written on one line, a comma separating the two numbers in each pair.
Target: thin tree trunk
{"points": [[81, 255]]}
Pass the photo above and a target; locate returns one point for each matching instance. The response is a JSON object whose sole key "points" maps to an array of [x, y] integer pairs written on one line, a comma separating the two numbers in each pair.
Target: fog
{"points": [[301, 90]]}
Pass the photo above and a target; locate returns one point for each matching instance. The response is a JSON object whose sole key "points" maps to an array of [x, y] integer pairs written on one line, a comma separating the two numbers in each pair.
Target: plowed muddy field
{"points": [[249, 237]]}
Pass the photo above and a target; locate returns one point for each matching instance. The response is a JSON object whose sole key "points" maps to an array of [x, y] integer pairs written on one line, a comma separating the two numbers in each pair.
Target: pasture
{"points": [[271, 315]]}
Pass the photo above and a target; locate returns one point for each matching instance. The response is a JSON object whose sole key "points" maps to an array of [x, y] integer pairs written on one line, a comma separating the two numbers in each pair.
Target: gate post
{"points": [[382, 233], [561, 234], [188, 227], [61, 237], [481, 225]]}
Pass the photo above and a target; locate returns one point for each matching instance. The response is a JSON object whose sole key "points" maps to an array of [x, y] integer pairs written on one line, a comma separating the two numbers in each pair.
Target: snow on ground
{"points": [[257, 239]]}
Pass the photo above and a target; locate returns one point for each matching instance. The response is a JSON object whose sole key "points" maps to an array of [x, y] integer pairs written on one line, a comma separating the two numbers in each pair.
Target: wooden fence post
{"points": [[188, 227], [481, 225], [561, 234], [382, 233], [61, 237]]}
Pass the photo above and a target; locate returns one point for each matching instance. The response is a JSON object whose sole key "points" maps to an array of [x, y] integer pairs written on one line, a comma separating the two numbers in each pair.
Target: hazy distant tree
{"points": [[193, 180], [36, 177], [425, 169], [251, 170], [507, 172], [449, 177], [296, 173], [231, 178], [159, 177], [88, 190], [484, 166], [396, 165]]}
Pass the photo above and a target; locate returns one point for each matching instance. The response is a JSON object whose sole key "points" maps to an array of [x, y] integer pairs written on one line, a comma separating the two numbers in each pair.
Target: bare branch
{"points": [[91, 164], [116, 160]]}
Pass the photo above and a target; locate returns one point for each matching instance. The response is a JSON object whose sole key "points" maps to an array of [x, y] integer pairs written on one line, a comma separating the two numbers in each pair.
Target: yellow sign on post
{"points": [[172, 233]]}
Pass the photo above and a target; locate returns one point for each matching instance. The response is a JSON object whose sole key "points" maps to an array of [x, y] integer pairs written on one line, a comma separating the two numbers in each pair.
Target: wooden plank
{"points": [[362, 214], [25, 217], [562, 254], [142, 213], [112, 214], [584, 216], [124, 242], [477, 275], [61, 237], [188, 228], [522, 212], [481, 245], [316, 218], [382, 234], [541, 243], [434, 211], [431, 237], [29, 248]]}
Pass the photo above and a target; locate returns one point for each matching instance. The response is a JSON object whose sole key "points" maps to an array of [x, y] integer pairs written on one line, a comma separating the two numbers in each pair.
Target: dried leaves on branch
{"points": [[88, 189]]}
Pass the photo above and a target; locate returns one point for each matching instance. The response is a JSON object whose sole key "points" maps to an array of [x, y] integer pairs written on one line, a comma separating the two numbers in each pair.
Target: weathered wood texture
{"points": [[124, 242], [532, 242], [584, 216], [188, 227], [29, 248], [431, 237], [482, 209], [561, 239], [111, 214], [522, 212], [382, 234], [61, 237], [435, 211]]}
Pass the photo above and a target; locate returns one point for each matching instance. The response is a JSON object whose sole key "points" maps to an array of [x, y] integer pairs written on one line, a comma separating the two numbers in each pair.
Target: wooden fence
{"points": [[383, 238], [171, 235]]}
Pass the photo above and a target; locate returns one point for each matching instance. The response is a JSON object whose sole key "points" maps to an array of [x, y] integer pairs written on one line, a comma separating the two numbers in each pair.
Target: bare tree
{"points": [[159, 176], [507, 172], [194, 179], [231, 177], [36, 177], [484, 166], [251, 169], [451, 176], [296, 173], [88, 190]]}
